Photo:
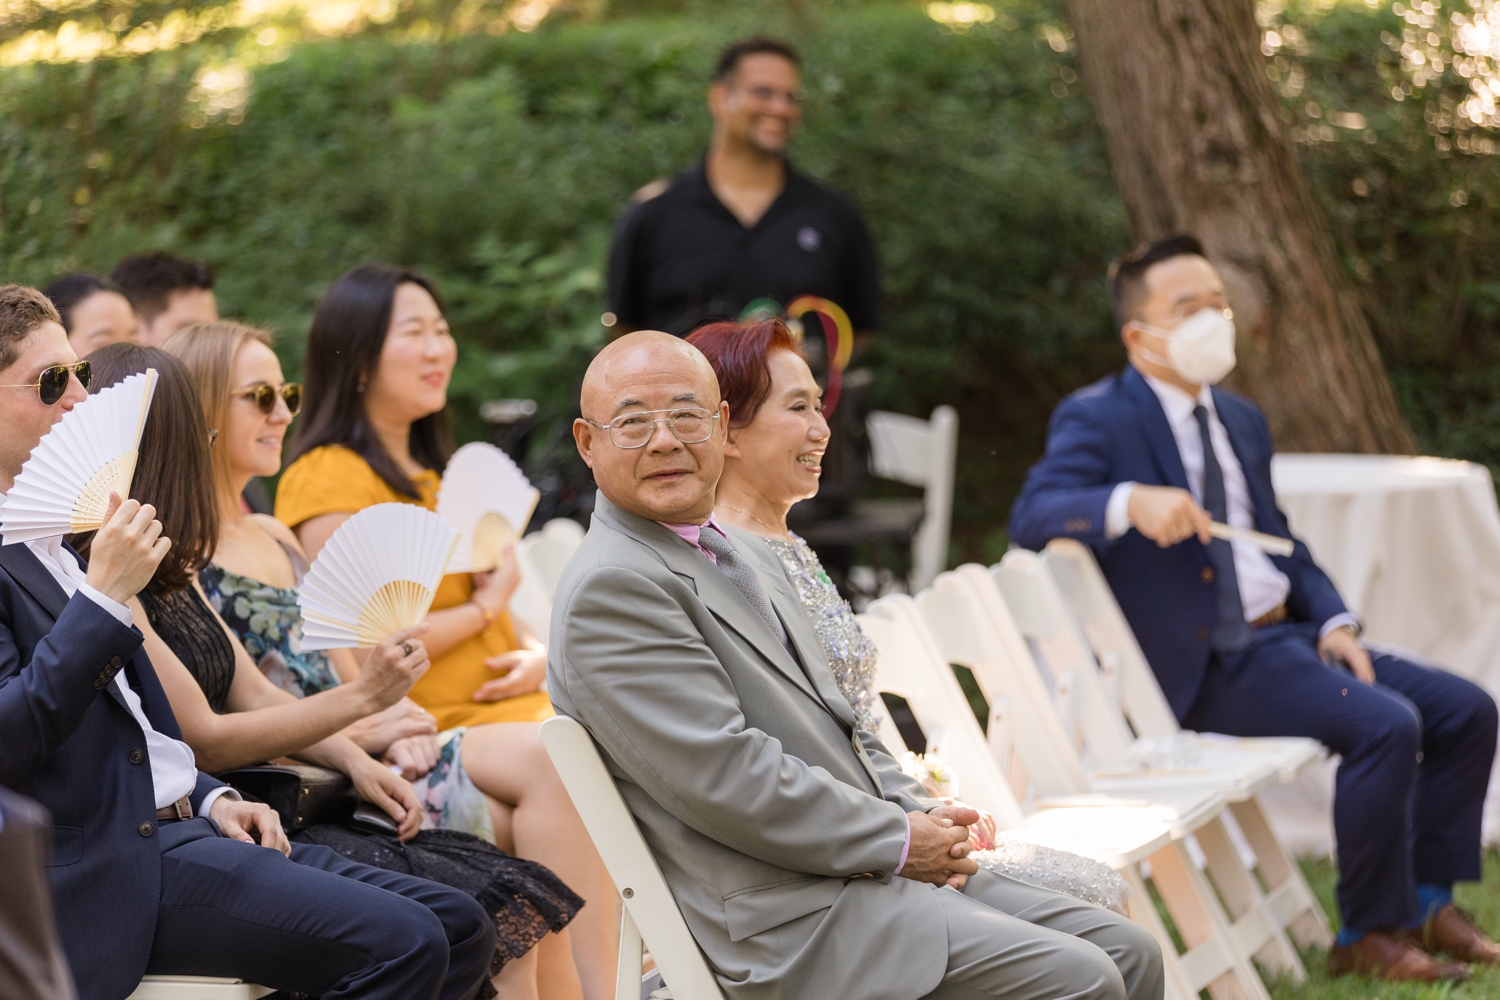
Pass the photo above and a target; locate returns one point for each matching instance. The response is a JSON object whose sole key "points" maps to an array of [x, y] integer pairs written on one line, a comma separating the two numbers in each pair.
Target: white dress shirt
{"points": [[174, 770], [1263, 587]]}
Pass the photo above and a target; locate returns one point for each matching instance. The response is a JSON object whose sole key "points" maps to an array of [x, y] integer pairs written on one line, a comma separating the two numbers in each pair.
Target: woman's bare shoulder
{"points": [[276, 530]]}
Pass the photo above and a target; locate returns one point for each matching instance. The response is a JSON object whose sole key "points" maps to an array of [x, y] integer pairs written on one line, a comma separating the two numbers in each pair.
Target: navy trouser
{"points": [[317, 923], [1417, 748]]}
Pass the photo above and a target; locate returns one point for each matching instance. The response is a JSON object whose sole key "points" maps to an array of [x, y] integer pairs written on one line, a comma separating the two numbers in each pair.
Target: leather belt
{"points": [[181, 809], [1275, 616]]}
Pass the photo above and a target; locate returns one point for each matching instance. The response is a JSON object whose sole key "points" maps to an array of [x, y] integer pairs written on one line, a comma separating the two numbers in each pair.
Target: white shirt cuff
{"points": [[214, 796], [1116, 517], [120, 612], [1339, 621]]}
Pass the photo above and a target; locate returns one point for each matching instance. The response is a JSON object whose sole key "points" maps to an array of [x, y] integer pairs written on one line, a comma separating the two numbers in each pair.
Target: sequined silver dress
{"points": [[850, 653], [852, 656]]}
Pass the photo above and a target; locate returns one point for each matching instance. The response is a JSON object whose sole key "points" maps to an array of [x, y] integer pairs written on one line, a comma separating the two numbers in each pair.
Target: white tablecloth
{"points": [[1413, 545]]}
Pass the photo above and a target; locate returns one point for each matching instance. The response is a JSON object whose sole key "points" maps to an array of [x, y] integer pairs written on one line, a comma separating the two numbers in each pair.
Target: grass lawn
{"points": [[1482, 900]]}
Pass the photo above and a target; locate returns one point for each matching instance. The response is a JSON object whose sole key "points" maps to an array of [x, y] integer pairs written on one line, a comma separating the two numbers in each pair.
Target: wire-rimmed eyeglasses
{"points": [[689, 424]]}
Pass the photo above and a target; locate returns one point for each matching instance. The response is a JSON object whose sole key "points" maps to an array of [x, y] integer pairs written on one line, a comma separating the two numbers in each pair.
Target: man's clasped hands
{"points": [[939, 851]]}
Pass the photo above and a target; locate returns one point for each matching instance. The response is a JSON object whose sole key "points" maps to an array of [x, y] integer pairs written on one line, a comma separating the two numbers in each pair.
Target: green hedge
{"points": [[499, 164]]}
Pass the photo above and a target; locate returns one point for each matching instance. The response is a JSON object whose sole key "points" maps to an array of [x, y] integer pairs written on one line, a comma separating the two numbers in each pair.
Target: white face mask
{"points": [[1201, 349]]}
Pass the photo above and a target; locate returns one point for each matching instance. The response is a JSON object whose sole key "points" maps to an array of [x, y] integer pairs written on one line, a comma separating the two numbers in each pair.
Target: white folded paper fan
{"points": [[489, 500], [377, 574], [91, 452]]}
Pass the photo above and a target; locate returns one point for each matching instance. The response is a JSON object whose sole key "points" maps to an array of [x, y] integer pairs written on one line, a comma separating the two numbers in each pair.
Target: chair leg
{"points": [[1143, 912], [1213, 959], [628, 979], [1292, 899], [1257, 929]]}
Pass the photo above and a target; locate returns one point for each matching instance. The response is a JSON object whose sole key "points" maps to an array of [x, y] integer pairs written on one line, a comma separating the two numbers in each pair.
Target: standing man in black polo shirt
{"points": [[741, 226]]}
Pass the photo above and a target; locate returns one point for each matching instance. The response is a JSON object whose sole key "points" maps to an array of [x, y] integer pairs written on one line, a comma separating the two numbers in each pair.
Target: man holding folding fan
{"points": [[156, 867], [1148, 467]]}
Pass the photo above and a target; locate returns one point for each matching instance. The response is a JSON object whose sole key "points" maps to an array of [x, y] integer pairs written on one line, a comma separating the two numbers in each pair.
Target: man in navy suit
{"points": [[156, 867], [1137, 466]]}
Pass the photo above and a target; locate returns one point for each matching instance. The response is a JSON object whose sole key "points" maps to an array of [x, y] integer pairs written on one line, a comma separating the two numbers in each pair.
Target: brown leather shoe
{"points": [[1394, 958], [1454, 933]]}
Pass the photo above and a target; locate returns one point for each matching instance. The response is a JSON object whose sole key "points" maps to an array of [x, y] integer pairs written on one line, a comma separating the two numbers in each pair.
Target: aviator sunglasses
{"points": [[265, 396], [53, 382]]}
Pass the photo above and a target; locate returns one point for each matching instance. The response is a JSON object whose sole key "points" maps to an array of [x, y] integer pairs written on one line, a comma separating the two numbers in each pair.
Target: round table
{"points": [[1413, 545]]}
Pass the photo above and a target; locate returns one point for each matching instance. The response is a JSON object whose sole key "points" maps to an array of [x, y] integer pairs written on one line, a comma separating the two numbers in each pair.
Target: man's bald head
{"points": [[665, 480], [644, 355]]}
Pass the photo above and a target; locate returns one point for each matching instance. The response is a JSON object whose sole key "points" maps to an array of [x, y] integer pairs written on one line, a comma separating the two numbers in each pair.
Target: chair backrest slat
{"points": [[911, 665], [639, 881], [974, 628], [1078, 578], [1046, 621]]}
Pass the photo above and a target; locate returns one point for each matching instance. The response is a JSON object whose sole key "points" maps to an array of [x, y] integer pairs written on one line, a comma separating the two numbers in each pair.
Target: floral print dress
{"points": [[268, 622]]}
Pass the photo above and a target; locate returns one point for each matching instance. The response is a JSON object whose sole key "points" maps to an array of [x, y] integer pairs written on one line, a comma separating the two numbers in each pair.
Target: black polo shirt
{"points": [[682, 258]]}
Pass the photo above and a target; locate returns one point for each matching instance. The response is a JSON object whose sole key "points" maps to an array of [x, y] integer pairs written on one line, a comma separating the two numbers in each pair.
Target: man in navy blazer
{"points": [[156, 867], [1137, 466]]}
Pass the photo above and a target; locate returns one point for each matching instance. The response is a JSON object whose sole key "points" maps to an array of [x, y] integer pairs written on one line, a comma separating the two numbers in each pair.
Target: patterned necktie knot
{"points": [[732, 565]]}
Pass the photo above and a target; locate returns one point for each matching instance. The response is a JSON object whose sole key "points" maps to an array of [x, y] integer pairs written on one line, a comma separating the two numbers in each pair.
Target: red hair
{"points": [[740, 353]]}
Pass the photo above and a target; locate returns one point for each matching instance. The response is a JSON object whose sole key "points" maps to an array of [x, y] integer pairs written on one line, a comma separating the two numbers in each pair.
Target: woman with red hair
{"points": [[772, 459]]}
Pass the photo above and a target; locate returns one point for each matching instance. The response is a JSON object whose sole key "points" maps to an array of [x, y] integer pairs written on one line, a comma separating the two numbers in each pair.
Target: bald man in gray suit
{"points": [[803, 860]]}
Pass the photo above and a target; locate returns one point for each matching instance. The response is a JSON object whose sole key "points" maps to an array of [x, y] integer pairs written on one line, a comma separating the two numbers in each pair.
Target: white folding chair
{"points": [[550, 549], [649, 914], [1093, 715], [1074, 570], [198, 988], [541, 556], [1118, 833], [920, 453], [1227, 919]]}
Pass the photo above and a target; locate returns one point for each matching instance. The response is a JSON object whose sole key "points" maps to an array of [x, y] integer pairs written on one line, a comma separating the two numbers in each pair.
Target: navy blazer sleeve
{"points": [[1066, 492], [44, 702]]}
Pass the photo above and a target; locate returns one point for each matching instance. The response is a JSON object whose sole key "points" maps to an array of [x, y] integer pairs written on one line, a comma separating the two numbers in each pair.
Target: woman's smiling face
{"points": [[253, 439], [411, 380], [779, 454]]}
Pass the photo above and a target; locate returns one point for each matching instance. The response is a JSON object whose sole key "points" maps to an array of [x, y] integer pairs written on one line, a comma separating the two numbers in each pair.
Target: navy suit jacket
{"points": [[1113, 432], [68, 741]]}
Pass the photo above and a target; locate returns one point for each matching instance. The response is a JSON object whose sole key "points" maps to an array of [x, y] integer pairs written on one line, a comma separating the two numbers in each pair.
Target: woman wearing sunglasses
{"points": [[232, 716], [375, 430]]}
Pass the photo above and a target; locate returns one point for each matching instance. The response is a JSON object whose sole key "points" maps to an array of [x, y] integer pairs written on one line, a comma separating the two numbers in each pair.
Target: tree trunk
{"points": [[1198, 145]]}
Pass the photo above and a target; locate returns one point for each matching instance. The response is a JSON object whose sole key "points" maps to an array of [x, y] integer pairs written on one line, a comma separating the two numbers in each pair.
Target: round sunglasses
{"points": [[265, 396], [53, 382]]}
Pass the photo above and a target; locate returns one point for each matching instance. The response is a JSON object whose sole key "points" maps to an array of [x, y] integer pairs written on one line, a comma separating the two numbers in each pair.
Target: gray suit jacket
{"points": [[776, 824]]}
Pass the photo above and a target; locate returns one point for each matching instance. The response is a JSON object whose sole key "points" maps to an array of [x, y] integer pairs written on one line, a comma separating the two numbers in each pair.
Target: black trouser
{"points": [[317, 923]]}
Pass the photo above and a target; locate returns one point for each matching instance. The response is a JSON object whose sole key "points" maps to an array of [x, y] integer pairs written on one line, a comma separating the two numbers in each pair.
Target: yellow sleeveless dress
{"points": [[335, 480]]}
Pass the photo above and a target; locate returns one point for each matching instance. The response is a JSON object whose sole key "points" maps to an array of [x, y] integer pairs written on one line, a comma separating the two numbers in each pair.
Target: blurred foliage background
{"points": [[493, 143]]}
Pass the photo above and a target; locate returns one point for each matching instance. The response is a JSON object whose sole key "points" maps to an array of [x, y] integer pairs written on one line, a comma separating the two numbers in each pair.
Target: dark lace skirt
{"points": [[525, 899]]}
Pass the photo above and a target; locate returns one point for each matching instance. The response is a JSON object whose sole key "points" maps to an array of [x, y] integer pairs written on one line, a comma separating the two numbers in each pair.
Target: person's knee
{"points": [[1088, 972], [1101, 979], [464, 922], [1139, 960], [1483, 723], [1395, 730]]}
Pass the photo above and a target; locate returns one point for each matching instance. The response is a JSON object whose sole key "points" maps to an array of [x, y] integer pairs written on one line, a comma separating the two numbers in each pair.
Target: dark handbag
{"points": [[304, 795]]}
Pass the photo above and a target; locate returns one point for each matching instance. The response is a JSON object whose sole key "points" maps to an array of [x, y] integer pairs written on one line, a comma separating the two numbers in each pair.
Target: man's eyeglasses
{"points": [[265, 396], [53, 382], [690, 425]]}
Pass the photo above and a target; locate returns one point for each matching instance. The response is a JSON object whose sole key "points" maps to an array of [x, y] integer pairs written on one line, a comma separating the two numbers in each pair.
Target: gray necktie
{"points": [[742, 576]]}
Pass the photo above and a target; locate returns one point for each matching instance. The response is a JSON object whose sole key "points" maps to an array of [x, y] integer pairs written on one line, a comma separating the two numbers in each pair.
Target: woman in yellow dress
{"points": [[375, 430]]}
